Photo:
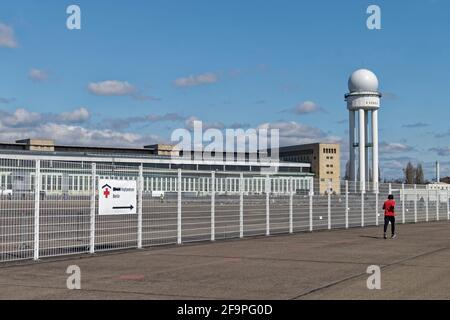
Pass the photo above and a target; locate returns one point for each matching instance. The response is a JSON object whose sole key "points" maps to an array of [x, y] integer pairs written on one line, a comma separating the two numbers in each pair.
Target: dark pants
{"points": [[388, 219]]}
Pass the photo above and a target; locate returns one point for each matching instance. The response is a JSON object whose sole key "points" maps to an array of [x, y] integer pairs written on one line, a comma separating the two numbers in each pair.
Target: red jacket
{"points": [[389, 208]]}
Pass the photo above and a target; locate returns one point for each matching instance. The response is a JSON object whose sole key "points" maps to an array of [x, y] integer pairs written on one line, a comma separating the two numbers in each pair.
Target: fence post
{"points": [[140, 187], [291, 206], [37, 197], [241, 206], [427, 205], [92, 218], [437, 204], [448, 204], [179, 209], [415, 203], [390, 188], [362, 208], [377, 212], [403, 203], [329, 205], [311, 211], [213, 206], [346, 204], [268, 205]]}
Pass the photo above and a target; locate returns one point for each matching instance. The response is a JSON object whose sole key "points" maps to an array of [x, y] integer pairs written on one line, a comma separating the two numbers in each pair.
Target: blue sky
{"points": [[137, 70]]}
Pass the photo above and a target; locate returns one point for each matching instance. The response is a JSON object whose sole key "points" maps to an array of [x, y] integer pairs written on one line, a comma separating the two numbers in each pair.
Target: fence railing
{"points": [[51, 208]]}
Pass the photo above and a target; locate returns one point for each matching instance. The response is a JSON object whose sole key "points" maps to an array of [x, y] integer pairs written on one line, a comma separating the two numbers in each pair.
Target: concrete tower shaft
{"points": [[363, 101]]}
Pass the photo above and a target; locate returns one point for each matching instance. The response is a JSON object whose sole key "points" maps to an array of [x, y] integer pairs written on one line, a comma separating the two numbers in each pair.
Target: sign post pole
{"points": [[268, 205], [329, 204], [140, 204], [415, 203], [92, 218], [403, 203], [37, 196], [437, 204], [213, 206], [179, 209], [241, 206], [291, 206], [346, 204]]}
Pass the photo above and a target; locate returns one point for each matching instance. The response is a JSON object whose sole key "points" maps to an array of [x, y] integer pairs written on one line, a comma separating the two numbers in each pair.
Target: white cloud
{"points": [[441, 151], [112, 88], [70, 134], [20, 117], [76, 116], [77, 135], [292, 132], [196, 80], [394, 148], [165, 117], [22, 124], [394, 165], [7, 38], [415, 125], [306, 107], [37, 75], [189, 123], [123, 123]]}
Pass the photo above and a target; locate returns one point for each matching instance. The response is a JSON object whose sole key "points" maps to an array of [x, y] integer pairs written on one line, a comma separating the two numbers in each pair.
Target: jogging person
{"points": [[389, 215]]}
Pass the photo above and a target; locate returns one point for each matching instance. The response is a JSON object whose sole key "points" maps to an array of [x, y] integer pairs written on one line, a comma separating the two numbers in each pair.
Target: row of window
{"points": [[330, 150], [306, 159], [59, 183]]}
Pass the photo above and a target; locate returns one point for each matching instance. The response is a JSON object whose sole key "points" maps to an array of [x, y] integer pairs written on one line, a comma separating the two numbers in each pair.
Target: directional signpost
{"points": [[116, 197]]}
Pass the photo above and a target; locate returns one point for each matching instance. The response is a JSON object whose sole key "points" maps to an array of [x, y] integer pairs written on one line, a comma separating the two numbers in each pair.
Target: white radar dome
{"points": [[363, 80]]}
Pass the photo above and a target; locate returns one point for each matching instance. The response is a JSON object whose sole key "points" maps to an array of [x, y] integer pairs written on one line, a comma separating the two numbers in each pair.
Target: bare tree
{"points": [[410, 173], [420, 178], [347, 170]]}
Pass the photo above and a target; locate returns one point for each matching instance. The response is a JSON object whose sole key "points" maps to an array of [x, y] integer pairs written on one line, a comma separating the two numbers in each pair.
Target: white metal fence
{"points": [[50, 207]]}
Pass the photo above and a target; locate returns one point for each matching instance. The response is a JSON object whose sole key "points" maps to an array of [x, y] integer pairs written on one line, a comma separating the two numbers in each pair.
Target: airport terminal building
{"points": [[300, 163]]}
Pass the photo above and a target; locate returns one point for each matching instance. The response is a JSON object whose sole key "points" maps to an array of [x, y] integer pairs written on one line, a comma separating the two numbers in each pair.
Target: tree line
{"points": [[414, 175], [411, 174]]}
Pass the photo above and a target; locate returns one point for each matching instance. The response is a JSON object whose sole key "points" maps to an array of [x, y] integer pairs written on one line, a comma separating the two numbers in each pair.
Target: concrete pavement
{"points": [[318, 265]]}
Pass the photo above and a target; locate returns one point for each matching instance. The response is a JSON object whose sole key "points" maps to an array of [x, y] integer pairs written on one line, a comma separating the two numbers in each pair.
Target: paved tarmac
{"points": [[318, 265]]}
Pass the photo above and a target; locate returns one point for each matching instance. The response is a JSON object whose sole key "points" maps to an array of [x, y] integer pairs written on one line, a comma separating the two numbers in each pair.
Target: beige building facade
{"points": [[37, 144], [324, 159]]}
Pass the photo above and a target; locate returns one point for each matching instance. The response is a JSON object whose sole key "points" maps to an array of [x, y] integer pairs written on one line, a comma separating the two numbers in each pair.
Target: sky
{"points": [[139, 69]]}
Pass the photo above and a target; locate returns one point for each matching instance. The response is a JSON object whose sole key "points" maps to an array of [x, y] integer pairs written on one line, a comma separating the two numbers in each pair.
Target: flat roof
{"points": [[306, 146]]}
